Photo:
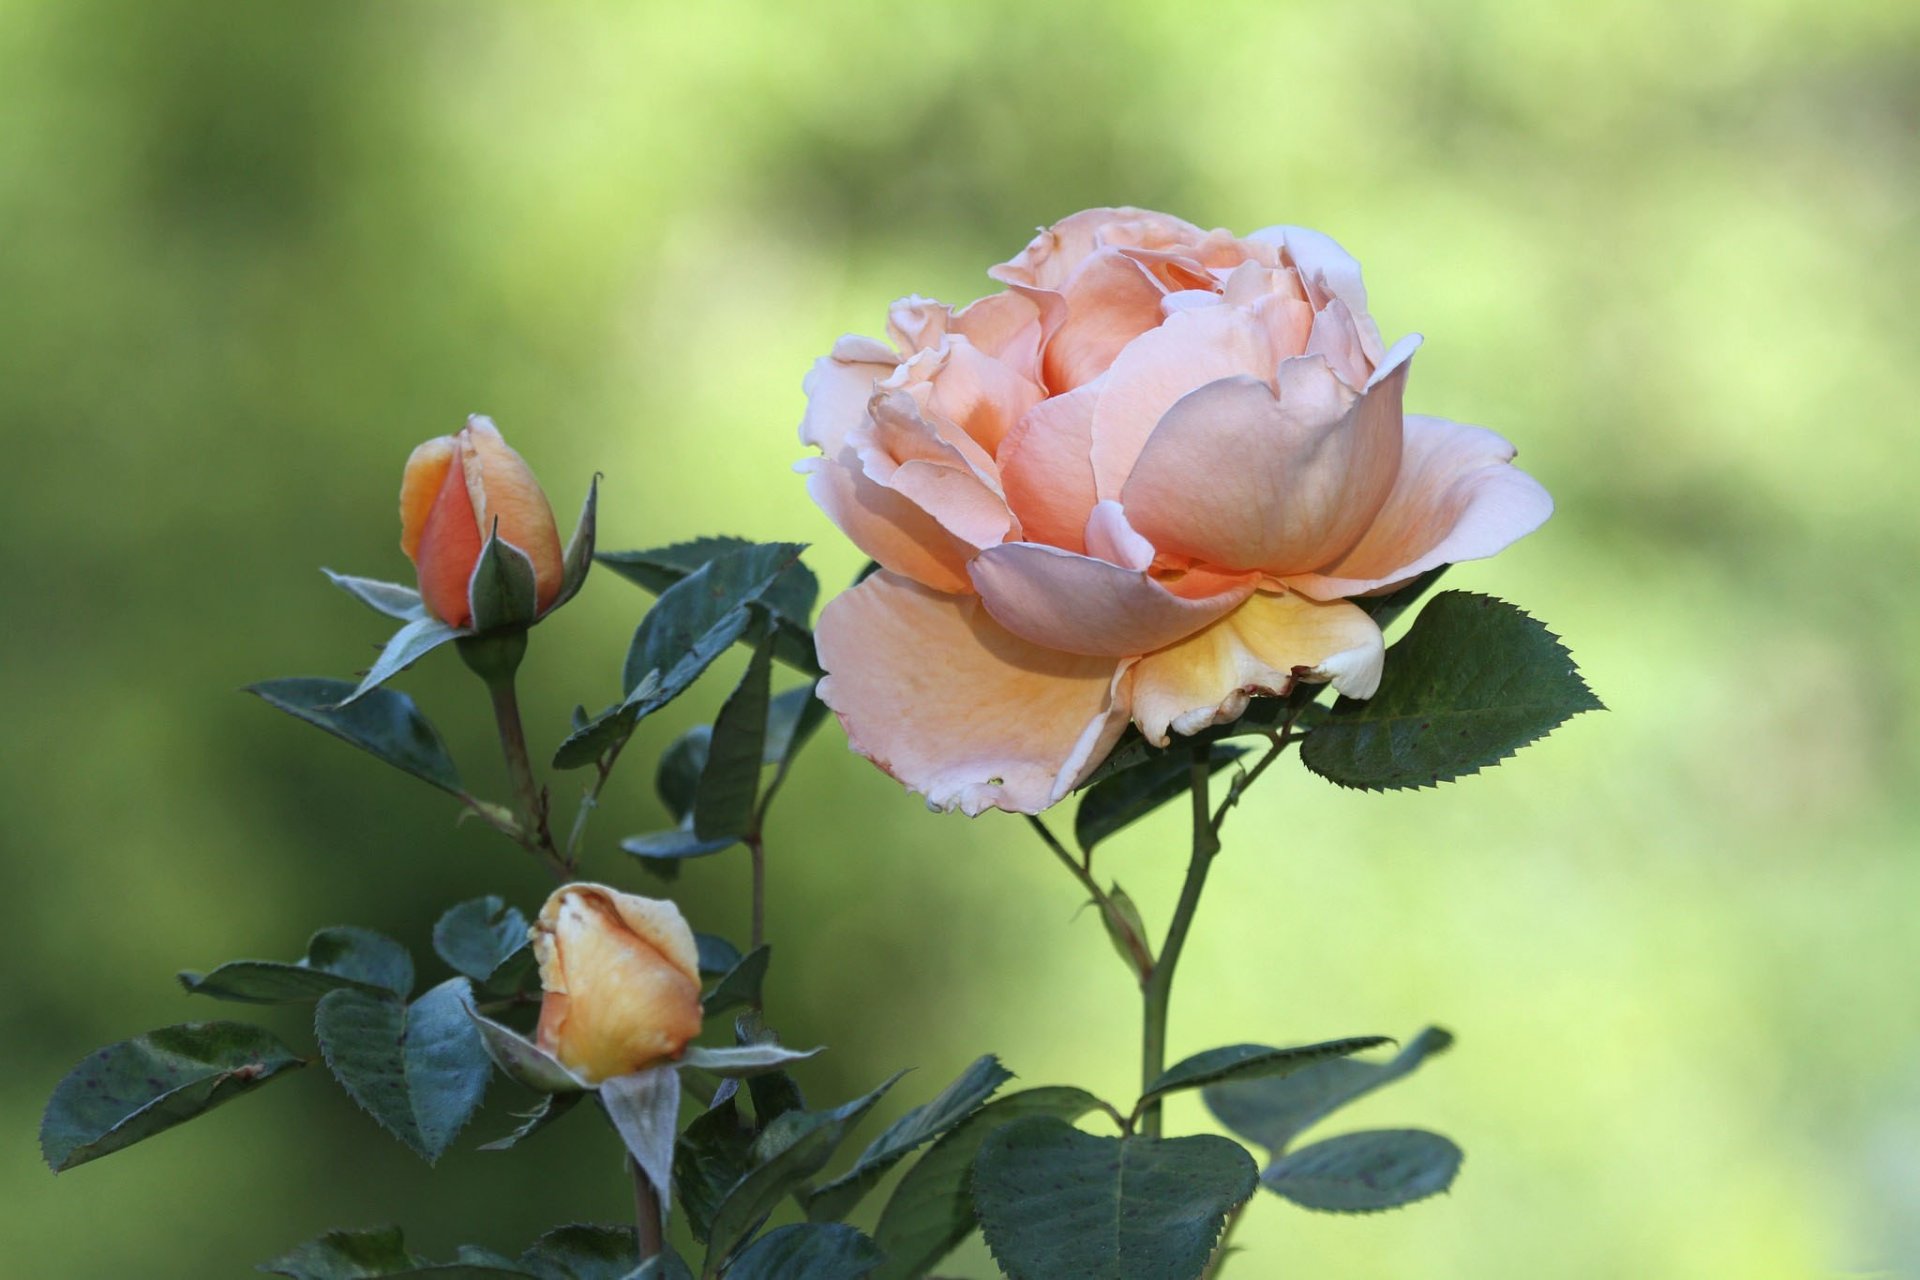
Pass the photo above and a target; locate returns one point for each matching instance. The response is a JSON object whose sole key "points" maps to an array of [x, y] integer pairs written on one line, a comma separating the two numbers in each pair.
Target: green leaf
{"points": [[1131, 794], [931, 1210], [1125, 927], [645, 1109], [713, 1154], [717, 955], [579, 554], [390, 598], [405, 647], [740, 984], [548, 1109], [479, 936], [924, 1123], [1385, 609], [792, 718], [1472, 682], [1250, 1062], [1366, 1172], [1056, 1202], [730, 783], [419, 1071], [522, 1060], [774, 1093], [740, 1061], [790, 1150], [381, 1252], [790, 599], [676, 844], [808, 1251], [691, 623], [384, 723], [583, 1251], [593, 738], [339, 957], [677, 778], [502, 592], [1272, 1112], [133, 1090]]}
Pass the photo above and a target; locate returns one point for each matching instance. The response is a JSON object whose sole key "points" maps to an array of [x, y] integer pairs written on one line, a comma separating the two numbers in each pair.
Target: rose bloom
{"points": [[1140, 484], [456, 490], [622, 980]]}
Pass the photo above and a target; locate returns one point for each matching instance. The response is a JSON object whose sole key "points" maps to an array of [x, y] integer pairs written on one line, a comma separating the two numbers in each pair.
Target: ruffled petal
{"points": [[1110, 301], [1046, 468], [1331, 272], [1076, 604], [943, 698], [1237, 476], [888, 527], [1264, 647], [944, 472], [1458, 497]]}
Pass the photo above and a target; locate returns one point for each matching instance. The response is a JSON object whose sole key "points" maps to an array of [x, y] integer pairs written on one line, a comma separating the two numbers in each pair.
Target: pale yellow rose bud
{"points": [[622, 981]]}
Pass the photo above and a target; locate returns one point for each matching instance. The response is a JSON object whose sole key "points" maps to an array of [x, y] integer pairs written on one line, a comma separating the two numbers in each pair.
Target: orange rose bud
{"points": [[622, 981], [457, 490]]}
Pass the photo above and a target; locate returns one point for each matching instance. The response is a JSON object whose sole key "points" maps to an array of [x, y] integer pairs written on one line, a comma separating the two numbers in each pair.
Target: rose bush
{"points": [[1139, 484], [621, 977], [456, 491]]}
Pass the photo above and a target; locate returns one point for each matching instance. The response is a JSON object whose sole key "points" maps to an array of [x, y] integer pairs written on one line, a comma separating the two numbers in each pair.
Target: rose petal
{"points": [[1320, 260], [981, 395], [837, 395], [1110, 301], [1046, 468], [1457, 498], [1076, 604], [885, 525], [449, 546], [420, 488], [1057, 251], [954, 481], [1110, 537], [1264, 646], [939, 695], [506, 496], [1238, 477]]}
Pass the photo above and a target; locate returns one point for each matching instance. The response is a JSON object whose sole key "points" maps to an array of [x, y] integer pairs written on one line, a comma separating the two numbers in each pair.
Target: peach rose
{"points": [[622, 980], [448, 510], [1139, 484]]}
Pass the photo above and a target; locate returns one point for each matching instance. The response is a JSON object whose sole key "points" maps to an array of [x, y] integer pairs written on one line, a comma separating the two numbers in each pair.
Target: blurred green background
{"points": [[253, 253]]}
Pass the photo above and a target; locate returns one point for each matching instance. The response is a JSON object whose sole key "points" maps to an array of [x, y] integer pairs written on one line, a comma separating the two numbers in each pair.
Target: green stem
{"points": [[1082, 870], [646, 1212], [513, 745], [756, 847], [1159, 987]]}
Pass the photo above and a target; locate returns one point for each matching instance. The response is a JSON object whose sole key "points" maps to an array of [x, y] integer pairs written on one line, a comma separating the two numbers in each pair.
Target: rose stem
{"points": [[513, 744], [646, 1211], [1082, 870], [1159, 988]]}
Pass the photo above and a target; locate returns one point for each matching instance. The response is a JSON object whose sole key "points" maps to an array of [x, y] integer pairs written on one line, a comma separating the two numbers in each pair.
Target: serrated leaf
{"points": [[1056, 1202], [420, 1071], [579, 554], [834, 1200], [583, 1251], [931, 1210], [342, 956], [382, 1252], [713, 1154], [390, 598], [1131, 794], [384, 723], [502, 591], [808, 1251], [677, 776], [740, 1061], [723, 800], [1272, 1112], [129, 1091], [592, 738], [790, 599], [522, 1060], [645, 1109], [790, 1150], [717, 955], [690, 624], [408, 645], [792, 719], [546, 1111], [741, 984], [1251, 1062], [479, 936], [1366, 1172], [1472, 682]]}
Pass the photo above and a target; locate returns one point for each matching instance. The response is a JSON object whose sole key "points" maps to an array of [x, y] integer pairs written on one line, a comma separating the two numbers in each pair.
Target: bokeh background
{"points": [[250, 254]]}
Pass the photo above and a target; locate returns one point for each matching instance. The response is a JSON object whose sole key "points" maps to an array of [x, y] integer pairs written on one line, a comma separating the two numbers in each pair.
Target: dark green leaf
{"points": [[593, 738], [479, 936], [789, 600], [792, 718], [579, 554], [931, 1211], [390, 598], [713, 1154], [1366, 1172], [382, 1252], [1272, 1112], [1472, 682], [676, 844], [1056, 1202], [420, 1071], [774, 1094], [384, 723], [133, 1090], [1126, 929], [339, 957], [723, 801], [408, 645], [717, 955], [790, 1150], [549, 1109], [583, 1252], [1131, 794], [741, 984], [1251, 1062], [807, 1251], [924, 1123], [502, 591], [691, 623], [681, 764]]}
